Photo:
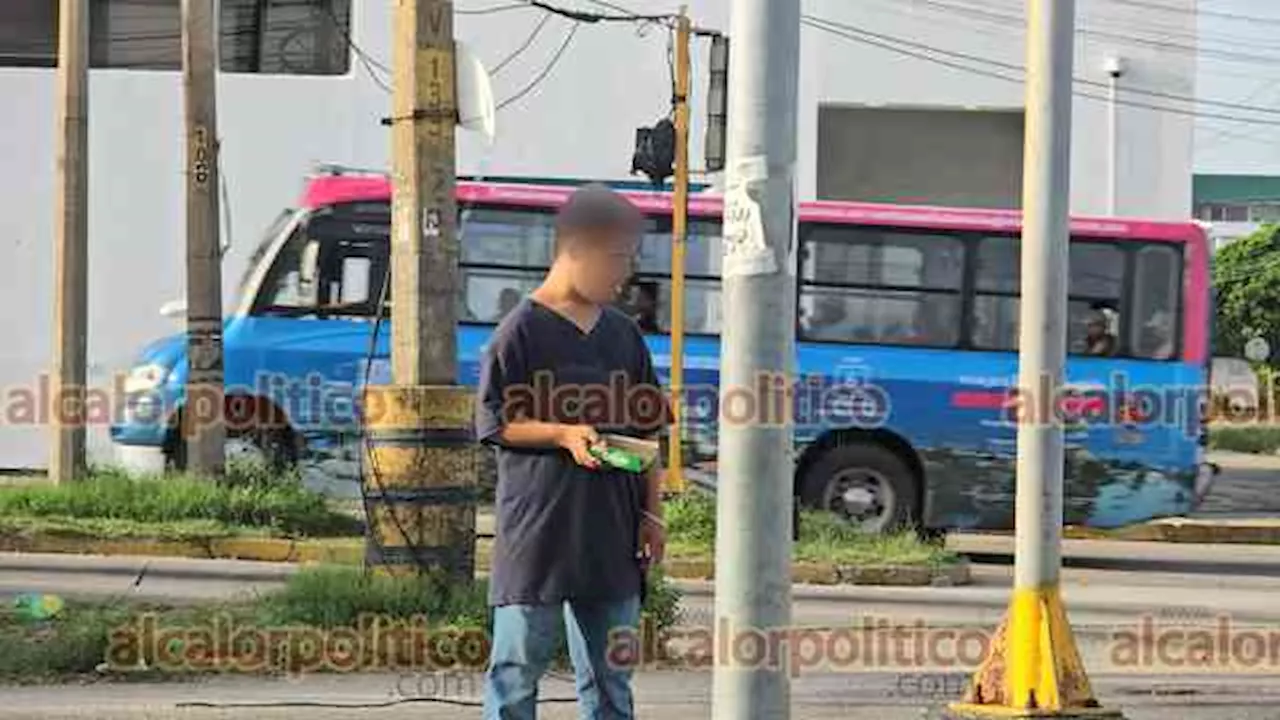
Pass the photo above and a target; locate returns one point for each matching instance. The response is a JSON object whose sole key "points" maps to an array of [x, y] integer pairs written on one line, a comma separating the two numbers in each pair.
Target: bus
{"points": [[906, 333]]}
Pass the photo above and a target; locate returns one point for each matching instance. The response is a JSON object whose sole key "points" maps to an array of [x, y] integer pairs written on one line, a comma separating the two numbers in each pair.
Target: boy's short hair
{"points": [[597, 208]]}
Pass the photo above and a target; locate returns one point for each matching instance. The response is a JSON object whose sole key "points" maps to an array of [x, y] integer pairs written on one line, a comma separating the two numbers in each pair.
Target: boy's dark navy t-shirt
{"points": [[565, 532]]}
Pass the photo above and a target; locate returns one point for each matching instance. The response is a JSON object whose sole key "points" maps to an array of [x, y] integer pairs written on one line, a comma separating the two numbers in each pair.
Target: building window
{"points": [[1218, 212], [28, 33], [135, 34], [285, 37], [1264, 213]]}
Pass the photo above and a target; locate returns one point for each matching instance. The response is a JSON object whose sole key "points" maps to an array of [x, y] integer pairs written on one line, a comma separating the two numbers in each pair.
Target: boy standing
{"points": [[574, 538]]}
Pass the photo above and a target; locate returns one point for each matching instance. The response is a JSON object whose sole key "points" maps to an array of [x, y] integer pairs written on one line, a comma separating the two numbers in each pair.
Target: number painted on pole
{"points": [[201, 167]]}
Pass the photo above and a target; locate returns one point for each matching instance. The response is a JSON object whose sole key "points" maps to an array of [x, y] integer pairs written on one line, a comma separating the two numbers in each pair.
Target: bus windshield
{"points": [[268, 239]]}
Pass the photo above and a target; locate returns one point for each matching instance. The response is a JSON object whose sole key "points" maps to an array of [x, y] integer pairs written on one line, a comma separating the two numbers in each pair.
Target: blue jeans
{"points": [[525, 642]]}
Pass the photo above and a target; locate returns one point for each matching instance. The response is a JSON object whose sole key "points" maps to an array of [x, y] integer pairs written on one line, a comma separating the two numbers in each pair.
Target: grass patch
{"points": [[824, 537], [245, 498], [119, 529], [1262, 439], [72, 643], [314, 601]]}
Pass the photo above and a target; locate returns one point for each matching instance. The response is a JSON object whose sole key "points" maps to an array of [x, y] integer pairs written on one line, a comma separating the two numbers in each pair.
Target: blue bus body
{"points": [[1117, 473], [943, 413]]}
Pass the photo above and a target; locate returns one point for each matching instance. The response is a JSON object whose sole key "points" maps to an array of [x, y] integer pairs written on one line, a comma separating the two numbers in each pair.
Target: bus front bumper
{"points": [[140, 459]]}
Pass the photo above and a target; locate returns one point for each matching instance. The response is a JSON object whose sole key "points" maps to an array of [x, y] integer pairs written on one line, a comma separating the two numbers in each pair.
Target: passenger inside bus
{"points": [[1157, 337], [508, 299], [644, 306], [1098, 338]]}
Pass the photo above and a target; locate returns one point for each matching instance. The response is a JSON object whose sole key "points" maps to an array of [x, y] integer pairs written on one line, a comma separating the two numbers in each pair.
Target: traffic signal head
{"points": [[655, 153]]}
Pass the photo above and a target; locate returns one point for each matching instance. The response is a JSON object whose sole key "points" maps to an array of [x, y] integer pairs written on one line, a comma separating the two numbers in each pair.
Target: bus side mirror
{"points": [[309, 264]]}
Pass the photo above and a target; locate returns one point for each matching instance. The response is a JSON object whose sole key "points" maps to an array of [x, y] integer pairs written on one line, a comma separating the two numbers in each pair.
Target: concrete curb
{"points": [[1188, 530], [285, 554], [808, 573]]}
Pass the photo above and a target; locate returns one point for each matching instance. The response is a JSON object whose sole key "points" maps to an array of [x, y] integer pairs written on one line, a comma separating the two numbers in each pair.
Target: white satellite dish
{"points": [[476, 108]]}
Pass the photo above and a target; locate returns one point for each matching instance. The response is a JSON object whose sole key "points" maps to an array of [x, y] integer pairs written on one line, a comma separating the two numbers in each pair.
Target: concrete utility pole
{"points": [[424, 247], [204, 417], [1033, 667], [71, 305], [422, 472], [679, 238], [753, 530]]}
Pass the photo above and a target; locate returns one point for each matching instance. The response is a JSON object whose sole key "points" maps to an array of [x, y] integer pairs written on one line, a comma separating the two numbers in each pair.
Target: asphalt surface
{"points": [[1247, 486], [669, 695]]}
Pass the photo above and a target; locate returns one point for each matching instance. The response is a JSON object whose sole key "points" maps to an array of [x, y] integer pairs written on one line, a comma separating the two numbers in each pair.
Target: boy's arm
{"points": [[577, 439], [653, 490]]}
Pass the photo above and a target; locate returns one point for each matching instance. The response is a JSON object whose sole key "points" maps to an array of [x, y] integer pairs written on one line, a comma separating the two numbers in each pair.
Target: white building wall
{"points": [[579, 121]]}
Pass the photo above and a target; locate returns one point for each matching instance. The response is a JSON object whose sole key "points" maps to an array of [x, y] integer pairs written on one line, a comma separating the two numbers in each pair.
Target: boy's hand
{"points": [[653, 541], [578, 440]]}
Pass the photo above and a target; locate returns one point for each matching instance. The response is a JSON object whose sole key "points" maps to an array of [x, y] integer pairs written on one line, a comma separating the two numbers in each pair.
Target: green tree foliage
{"points": [[1246, 276]]}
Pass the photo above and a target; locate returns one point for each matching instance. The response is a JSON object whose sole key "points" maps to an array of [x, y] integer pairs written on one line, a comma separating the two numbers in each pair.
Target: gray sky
{"points": [[1239, 63]]}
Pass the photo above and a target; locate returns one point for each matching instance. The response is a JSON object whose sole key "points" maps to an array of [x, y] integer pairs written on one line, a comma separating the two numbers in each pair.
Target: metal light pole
{"points": [[679, 244], [753, 526], [1115, 68], [1033, 668]]}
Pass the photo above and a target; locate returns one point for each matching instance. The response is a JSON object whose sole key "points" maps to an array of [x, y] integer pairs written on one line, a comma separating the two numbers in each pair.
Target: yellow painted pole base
{"points": [[1032, 668]]}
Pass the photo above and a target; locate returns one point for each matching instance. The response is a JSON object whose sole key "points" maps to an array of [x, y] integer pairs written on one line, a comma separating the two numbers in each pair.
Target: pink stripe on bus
{"points": [[329, 190]]}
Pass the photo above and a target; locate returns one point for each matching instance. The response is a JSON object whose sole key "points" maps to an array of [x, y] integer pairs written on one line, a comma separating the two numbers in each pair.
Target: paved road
{"points": [[1247, 486], [672, 696]]}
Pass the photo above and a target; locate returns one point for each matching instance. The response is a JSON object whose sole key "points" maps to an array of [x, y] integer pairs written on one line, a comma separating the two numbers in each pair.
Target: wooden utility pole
{"points": [[203, 416], [421, 470], [679, 237], [71, 306], [424, 248]]}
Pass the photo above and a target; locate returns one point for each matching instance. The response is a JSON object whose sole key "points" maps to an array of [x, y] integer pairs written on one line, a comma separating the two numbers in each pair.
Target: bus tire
{"points": [[274, 445], [867, 484]]}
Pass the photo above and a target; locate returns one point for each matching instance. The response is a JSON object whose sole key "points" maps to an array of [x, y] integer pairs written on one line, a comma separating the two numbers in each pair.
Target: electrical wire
{"points": [[1015, 21], [537, 80], [857, 36], [546, 18], [1131, 25], [1021, 68], [368, 61], [493, 9], [356, 706], [1201, 12], [630, 14]]}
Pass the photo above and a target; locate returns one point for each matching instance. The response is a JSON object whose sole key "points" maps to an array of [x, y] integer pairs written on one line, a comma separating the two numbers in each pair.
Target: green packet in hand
{"points": [[624, 453], [620, 459]]}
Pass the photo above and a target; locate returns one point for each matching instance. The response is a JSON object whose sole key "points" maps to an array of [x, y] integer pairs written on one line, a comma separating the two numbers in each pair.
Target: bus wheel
{"points": [[269, 448], [868, 485]]}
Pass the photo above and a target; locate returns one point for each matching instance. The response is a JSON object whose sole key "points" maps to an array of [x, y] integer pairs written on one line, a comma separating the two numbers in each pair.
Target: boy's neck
{"points": [[557, 292]]}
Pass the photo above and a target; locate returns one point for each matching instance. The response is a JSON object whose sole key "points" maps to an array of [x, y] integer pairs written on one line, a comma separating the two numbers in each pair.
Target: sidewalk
{"points": [[666, 695]]}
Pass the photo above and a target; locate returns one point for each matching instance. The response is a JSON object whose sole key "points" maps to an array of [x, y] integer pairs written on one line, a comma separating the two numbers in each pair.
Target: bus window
{"points": [[286, 289], [268, 240], [1157, 278], [867, 285], [507, 238], [1096, 287], [351, 270], [489, 294], [881, 316], [653, 278]]}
